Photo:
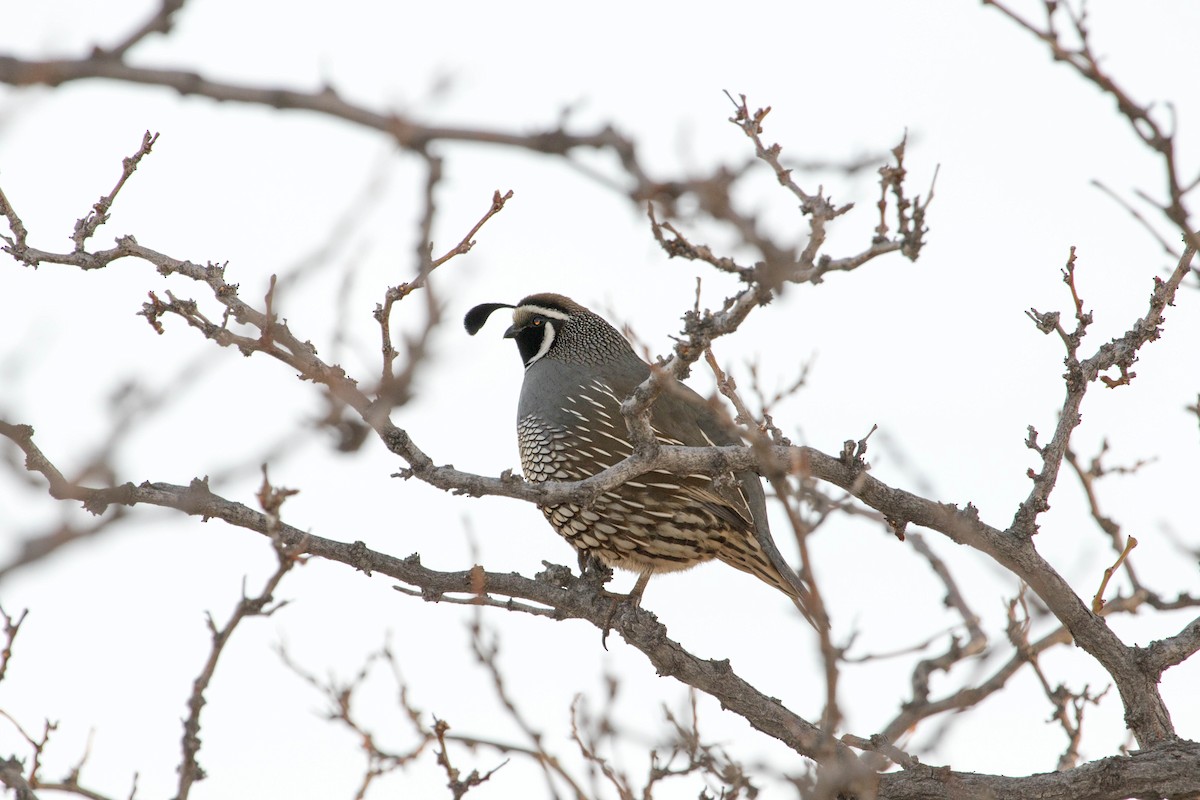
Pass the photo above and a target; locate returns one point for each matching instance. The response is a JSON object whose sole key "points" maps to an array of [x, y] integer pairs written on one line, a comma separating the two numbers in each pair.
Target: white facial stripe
{"points": [[547, 340], [542, 310]]}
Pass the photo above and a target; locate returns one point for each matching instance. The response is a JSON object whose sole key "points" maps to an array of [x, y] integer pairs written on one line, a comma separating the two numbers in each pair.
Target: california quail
{"points": [[578, 369]]}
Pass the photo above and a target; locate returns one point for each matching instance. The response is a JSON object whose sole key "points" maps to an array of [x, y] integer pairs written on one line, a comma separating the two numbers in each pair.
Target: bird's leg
{"points": [[634, 598]]}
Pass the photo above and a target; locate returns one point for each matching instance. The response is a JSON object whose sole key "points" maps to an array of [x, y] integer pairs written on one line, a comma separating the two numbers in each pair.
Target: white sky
{"points": [[939, 354]]}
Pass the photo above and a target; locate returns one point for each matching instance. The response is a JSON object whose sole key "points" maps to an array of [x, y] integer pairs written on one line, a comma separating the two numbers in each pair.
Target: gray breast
{"points": [[569, 423]]}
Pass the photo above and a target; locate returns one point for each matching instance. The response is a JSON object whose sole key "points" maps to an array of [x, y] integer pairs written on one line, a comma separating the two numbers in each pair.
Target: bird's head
{"points": [[555, 326]]}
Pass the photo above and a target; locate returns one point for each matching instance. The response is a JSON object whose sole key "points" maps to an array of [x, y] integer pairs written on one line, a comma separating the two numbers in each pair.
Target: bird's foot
{"points": [[594, 572], [617, 599], [634, 599]]}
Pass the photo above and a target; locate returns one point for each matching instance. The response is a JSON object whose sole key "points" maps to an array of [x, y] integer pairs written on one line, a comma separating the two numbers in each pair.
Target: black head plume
{"points": [[478, 315]]}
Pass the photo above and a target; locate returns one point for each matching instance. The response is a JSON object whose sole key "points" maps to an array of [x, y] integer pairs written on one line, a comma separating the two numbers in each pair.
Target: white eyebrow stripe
{"points": [[544, 311]]}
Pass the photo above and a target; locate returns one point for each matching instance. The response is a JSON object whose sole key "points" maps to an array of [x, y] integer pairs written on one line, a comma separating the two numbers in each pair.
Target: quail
{"points": [[578, 370]]}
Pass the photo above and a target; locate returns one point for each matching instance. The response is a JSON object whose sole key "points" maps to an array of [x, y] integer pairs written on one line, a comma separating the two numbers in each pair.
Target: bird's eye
{"points": [[537, 322]]}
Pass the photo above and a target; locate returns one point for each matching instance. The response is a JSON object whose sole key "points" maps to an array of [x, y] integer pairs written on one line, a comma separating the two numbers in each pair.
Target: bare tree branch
{"points": [[160, 22], [288, 553], [11, 628], [12, 777], [1084, 60], [1165, 765], [458, 785], [1121, 353]]}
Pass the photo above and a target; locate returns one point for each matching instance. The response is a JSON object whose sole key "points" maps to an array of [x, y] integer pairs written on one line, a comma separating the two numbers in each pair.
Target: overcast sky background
{"points": [[939, 354]]}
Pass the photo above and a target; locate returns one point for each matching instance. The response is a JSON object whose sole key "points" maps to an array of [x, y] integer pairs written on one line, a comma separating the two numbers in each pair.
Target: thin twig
{"points": [[1098, 600], [86, 227], [288, 554], [161, 21], [11, 628]]}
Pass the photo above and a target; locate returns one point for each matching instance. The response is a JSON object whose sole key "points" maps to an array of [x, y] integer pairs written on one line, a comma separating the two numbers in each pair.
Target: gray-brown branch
{"points": [[1170, 768]]}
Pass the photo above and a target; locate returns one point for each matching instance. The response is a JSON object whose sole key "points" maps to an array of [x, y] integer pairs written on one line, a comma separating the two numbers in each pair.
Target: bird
{"points": [[578, 370]]}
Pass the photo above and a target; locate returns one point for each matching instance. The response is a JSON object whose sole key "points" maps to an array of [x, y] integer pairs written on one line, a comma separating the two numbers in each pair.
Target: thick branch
{"points": [[1172, 765], [557, 589], [11, 776], [407, 133], [1169, 770], [1166, 653], [1146, 713]]}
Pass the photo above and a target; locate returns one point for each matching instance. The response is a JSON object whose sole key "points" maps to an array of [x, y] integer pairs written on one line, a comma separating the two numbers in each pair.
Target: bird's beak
{"points": [[512, 331]]}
